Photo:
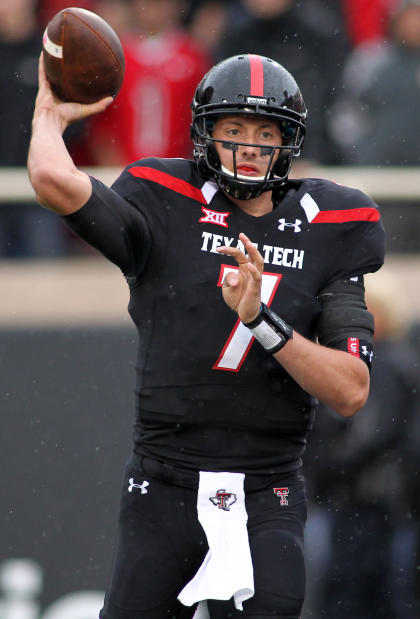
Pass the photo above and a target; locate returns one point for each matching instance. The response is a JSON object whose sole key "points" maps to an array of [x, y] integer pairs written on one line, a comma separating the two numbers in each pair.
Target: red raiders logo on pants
{"points": [[283, 493]]}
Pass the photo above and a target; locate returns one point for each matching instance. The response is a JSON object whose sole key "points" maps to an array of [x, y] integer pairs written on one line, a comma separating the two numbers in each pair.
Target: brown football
{"points": [[84, 59]]}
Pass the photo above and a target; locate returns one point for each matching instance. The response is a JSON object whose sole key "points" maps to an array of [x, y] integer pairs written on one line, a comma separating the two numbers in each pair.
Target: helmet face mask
{"points": [[229, 89]]}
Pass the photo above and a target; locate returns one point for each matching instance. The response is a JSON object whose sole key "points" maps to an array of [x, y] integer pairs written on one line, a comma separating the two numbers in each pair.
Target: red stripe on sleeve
{"points": [[352, 214], [171, 182], [257, 75]]}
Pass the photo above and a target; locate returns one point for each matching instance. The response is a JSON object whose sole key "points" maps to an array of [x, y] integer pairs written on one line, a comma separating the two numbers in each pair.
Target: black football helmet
{"points": [[248, 85]]}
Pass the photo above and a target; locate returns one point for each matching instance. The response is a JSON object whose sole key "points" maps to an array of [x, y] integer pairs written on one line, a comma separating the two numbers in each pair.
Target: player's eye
{"points": [[233, 132], [266, 135]]}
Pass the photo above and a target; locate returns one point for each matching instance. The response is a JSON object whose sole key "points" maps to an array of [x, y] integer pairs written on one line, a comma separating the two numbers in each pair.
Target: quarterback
{"points": [[246, 288]]}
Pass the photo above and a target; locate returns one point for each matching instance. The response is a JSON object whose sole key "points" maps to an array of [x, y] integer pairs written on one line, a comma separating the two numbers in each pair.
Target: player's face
{"points": [[251, 160]]}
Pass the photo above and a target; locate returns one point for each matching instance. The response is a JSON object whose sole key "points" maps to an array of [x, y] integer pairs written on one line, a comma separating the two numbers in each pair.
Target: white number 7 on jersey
{"points": [[240, 340]]}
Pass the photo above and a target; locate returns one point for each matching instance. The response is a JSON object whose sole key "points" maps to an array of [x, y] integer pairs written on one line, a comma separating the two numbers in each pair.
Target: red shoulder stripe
{"points": [[352, 214], [257, 75], [171, 182]]}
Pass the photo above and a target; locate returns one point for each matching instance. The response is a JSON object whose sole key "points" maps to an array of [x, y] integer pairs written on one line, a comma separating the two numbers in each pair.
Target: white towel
{"points": [[227, 568]]}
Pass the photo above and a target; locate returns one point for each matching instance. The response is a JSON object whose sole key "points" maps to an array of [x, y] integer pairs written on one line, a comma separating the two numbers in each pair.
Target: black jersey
{"points": [[208, 396]]}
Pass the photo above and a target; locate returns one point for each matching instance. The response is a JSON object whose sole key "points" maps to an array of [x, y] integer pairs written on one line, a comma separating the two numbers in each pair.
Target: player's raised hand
{"points": [[65, 112], [242, 289]]}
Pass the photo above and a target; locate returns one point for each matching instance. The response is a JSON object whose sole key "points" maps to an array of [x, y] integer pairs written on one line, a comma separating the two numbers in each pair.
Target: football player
{"points": [[213, 501]]}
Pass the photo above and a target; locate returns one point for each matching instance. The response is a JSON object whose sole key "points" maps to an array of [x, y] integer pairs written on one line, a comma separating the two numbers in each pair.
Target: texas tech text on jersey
{"points": [[281, 256]]}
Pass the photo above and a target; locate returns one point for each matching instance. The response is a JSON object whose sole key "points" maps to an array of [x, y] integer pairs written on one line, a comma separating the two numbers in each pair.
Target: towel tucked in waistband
{"points": [[227, 568]]}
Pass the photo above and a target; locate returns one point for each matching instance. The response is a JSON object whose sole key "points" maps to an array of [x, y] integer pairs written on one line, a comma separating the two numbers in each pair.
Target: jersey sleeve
{"points": [[360, 247], [345, 322], [364, 251], [114, 226]]}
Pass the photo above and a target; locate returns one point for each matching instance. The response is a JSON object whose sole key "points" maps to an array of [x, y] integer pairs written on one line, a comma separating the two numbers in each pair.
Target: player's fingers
{"points": [[41, 68], [254, 279], [244, 238], [253, 253], [255, 256], [231, 280], [44, 96], [88, 109], [254, 271], [101, 105], [42, 76], [45, 93], [235, 252]]}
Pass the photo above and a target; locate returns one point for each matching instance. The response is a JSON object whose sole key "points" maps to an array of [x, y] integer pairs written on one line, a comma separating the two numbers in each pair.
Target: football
{"points": [[83, 56]]}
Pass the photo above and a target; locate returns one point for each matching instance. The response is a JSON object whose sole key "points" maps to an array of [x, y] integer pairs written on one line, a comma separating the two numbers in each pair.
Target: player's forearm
{"points": [[334, 377], [47, 151], [57, 182]]}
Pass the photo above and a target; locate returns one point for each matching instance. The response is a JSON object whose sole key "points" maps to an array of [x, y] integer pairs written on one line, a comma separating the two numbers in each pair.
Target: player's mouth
{"points": [[244, 172], [248, 170]]}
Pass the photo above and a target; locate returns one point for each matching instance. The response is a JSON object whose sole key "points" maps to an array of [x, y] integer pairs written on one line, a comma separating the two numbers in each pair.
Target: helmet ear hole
{"points": [[210, 125], [288, 130]]}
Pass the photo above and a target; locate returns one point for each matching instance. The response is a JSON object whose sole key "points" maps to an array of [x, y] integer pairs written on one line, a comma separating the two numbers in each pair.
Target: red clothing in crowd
{"points": [[48, 8], [151, 114], [367, 19]]}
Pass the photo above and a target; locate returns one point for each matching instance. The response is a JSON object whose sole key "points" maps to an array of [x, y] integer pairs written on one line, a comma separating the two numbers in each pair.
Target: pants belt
{"points": [[166, 471], [190, 479]]}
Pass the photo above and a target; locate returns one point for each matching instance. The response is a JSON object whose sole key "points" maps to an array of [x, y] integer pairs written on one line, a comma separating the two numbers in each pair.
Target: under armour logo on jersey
{"points": [[213, 217], [285, 224], [142, 486], [283, 493], [367, 353], [223, 500]]}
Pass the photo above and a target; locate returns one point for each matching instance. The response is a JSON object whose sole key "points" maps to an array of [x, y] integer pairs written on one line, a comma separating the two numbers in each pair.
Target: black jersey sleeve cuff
{"points": [[345, 322]]}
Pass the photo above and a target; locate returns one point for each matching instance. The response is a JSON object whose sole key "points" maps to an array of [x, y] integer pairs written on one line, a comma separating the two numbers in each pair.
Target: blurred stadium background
{"points": [[67, 346]]}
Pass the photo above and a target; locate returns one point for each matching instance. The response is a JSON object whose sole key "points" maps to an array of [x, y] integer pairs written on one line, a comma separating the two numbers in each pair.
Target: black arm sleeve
{"points": [[345, 322], [114, 227]]}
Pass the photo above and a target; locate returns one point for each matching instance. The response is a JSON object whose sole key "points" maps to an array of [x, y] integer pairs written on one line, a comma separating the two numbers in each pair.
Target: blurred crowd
{"points": [[358, 65], [363, 482], [356, 61]]}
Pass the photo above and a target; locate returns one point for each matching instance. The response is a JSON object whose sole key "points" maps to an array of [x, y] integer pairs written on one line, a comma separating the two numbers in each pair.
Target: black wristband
{"points": [[271, 331]]}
